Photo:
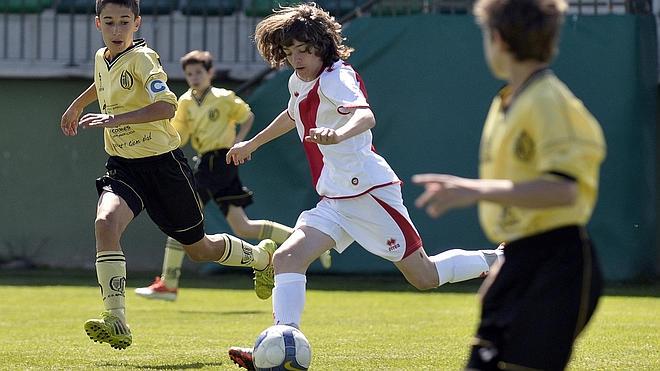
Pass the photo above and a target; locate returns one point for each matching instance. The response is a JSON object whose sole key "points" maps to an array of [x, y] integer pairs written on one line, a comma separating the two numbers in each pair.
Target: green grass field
{"points": [[353, 323]]}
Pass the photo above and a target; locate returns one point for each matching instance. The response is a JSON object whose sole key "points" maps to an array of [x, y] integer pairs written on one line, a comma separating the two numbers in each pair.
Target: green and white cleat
{"points": [[264, 280], [109, 329], [326, 260]]}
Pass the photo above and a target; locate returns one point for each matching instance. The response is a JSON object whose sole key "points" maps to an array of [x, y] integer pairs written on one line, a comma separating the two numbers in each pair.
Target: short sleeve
{"points": [[180, 121], [154, 78], [240, 110], [569, 139], [344, 88]]}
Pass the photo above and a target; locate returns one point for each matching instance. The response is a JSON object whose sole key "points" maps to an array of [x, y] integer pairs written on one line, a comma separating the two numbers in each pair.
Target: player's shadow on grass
{"points": [[178, 366]]}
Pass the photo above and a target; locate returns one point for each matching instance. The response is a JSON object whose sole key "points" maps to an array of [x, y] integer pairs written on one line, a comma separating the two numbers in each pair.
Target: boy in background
{"points": [[541, 152]]}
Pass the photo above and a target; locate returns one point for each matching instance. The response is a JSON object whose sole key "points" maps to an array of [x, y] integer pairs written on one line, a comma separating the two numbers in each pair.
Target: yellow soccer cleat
{"points": [[264, 280], [326, 260], [109, 329]]}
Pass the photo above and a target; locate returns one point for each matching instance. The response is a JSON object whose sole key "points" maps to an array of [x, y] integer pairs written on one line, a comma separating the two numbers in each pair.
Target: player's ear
{"points": [[97, 22], [138, 22]]}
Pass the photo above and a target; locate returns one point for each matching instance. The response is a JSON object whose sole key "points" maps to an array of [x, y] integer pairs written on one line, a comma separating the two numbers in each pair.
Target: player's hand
{"points": [[444, 192], [322, 136], [100, 120], [69, 121], [239, 153]]}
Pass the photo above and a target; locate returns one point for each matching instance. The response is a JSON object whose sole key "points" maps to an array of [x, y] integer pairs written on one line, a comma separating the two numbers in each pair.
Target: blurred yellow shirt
{"points": [[546, 132], [210, 122], [133, 80]]}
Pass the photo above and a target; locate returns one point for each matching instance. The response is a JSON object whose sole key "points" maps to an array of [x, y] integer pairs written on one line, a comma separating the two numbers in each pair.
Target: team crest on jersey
{"points": [[126, 80], [524, 147], [214, 114]]}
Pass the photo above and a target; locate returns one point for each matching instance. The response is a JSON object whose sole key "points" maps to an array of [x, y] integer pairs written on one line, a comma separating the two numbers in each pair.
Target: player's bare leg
{"points": [[231, 251], [454, 265]]}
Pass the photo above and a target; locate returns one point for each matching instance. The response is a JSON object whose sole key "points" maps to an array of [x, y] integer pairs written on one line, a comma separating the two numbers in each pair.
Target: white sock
{"points": [[459, 265], [289, 298]]}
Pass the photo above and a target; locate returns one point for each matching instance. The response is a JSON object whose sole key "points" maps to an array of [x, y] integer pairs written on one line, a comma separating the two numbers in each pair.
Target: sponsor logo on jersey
{"points": [[126, 80], [157, 86], [392, 244]]}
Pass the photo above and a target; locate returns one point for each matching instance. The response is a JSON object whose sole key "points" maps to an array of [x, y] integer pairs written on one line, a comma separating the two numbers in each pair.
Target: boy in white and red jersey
{"points": [[360, 193]]}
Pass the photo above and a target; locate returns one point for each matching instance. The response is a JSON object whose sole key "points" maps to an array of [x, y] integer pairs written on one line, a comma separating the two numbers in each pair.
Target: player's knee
{"points": [[287, 261], [106, 227]]}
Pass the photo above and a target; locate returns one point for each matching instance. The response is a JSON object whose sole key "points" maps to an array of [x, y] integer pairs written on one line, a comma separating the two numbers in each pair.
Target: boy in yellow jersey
{"points": [[145, 170], [541, 151], [208, 116]]}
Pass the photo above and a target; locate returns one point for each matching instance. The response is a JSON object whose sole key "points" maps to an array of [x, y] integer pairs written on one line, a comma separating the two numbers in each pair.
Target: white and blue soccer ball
{"points": [[281, 347]]}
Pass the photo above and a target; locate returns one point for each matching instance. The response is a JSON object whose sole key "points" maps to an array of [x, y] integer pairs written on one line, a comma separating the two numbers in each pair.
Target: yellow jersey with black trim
{"points": [[545, 132], [209, 122], [133, 80]]}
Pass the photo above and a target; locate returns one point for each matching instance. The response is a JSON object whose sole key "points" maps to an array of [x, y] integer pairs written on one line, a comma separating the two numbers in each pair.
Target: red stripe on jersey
{"points": [[413, 241], [308, 111], [363, 88]]}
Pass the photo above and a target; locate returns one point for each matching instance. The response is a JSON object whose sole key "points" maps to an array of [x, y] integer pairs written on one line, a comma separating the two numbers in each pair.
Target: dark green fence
{"points": [[429, 88]]}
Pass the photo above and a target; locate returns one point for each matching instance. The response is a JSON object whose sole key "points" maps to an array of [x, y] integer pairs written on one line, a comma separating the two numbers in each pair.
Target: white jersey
{"points": [[350, 168]]}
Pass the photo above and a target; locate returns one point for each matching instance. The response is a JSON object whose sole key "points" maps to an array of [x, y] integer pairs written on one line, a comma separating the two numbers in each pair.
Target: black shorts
{"points": [[219, 181], [539, 301], [163, 185]]}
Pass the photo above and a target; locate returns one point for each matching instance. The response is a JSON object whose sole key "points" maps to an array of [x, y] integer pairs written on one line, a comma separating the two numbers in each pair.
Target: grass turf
{"points": [[353, 323]]}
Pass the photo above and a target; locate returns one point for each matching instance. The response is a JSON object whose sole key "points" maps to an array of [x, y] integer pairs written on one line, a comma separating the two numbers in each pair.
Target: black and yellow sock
{"points": [[111, 274], [172, 262], [274, 231], [239, 253]]}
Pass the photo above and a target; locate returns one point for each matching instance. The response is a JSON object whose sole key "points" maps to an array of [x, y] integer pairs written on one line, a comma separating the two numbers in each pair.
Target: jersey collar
{"points": [[136, 43], [536, 75], [204, 94]]}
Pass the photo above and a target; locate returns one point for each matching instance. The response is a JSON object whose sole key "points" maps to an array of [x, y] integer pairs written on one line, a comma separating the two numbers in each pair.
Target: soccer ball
{"points": [[282, 347]]}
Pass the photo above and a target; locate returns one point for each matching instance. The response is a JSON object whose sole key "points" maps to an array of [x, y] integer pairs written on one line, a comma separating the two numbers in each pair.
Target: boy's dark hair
{"points": [[198, 57], [133, 5], [305, 23], [529, 27]]}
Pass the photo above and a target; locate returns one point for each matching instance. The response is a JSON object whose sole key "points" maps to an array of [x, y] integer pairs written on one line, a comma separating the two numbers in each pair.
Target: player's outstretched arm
{"points": [[443, 192], [153, 112], [242, 151], [69, 120]]}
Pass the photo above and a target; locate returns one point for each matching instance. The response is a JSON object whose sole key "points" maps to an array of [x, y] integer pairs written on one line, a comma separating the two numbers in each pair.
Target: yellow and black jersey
{"points": [[210, 121], [544, 132], [133, 80]]}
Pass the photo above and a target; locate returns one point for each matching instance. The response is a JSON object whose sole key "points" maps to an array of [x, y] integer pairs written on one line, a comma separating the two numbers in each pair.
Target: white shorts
{"points": [[377, 220]]}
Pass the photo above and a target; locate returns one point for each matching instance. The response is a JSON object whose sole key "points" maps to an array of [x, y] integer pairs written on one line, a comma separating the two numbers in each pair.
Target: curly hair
{"points": [[529, 27], [306, 23]]}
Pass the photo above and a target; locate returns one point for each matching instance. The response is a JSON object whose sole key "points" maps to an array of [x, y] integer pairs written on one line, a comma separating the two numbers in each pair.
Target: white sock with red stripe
{"points": [[459, 265], [289, 298]]}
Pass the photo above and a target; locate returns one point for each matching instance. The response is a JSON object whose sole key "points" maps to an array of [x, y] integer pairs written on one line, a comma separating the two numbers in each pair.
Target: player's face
{"points": [[302, 57], [197, 76], [494, 51], [117, 25]]}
